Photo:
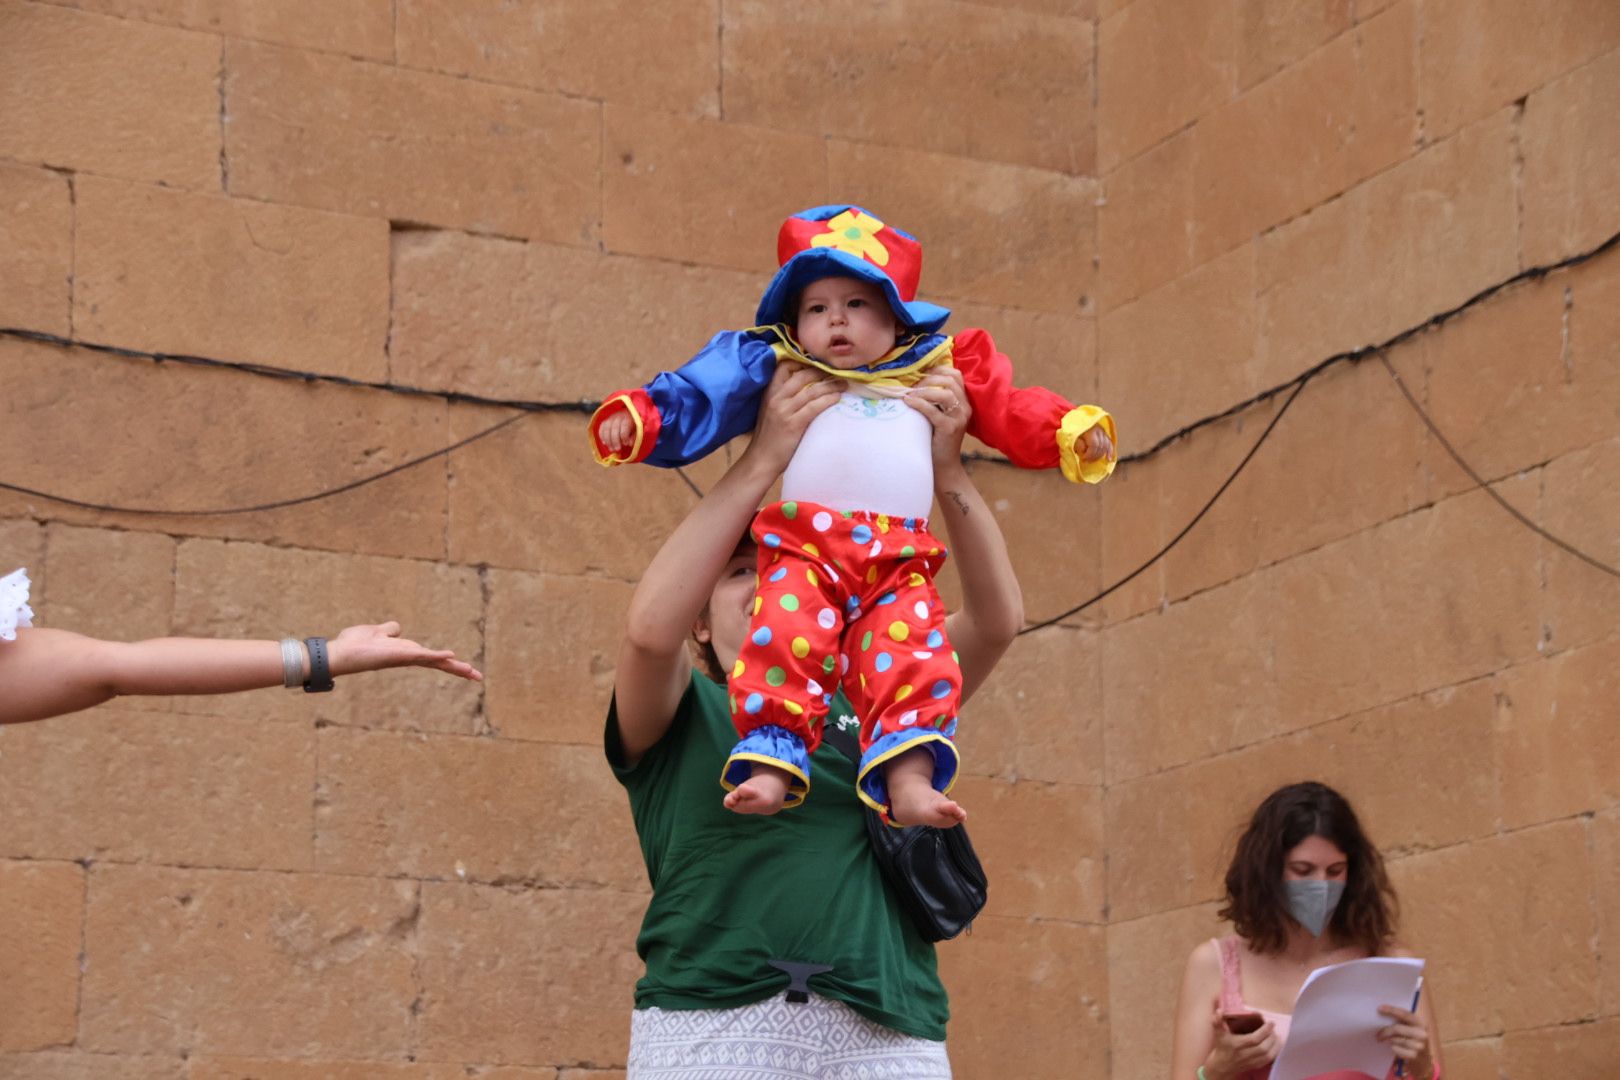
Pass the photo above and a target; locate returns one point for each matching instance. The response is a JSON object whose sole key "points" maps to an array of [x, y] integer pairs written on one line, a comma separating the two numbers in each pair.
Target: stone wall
{"points": [[1170, 206]]}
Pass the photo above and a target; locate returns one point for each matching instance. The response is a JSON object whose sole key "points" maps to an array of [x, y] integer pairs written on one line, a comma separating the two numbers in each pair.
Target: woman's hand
{"points": [[1409, 1038], [1235, 1055], [372, 648], [941, 397], [795, 396]]}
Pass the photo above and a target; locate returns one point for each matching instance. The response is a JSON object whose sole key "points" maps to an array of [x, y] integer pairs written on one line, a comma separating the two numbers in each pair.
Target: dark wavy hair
{"points": [[1256, 903]]}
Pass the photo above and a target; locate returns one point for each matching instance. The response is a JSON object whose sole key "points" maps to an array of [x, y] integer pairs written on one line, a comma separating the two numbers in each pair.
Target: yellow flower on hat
{"points": [[854, 233]]}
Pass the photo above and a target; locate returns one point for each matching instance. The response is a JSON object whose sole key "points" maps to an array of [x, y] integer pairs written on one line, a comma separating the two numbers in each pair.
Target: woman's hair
{"points": [[1256, 903], [708, 661]]}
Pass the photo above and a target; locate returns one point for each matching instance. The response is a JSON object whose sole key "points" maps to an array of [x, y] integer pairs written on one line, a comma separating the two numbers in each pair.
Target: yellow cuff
{"points": [[1076, 422]]}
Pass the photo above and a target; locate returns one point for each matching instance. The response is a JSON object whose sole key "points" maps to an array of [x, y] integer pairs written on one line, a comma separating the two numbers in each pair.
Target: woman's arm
{"points": [[51, 672], [653, 667], [1201, 1038], [992, 604]]}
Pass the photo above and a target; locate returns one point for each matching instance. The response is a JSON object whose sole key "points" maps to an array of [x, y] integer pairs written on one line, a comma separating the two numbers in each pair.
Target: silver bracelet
{"points": [[292, 662]]}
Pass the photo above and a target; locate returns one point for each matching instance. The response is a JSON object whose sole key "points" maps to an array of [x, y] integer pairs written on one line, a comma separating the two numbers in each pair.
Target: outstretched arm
{"points": [[653, 665], [50, 672], [992, 603]]}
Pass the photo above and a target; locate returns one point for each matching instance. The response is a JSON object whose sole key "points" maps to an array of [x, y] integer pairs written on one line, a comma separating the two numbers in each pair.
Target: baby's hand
{"points": [[1095, 445], [617, 431]]}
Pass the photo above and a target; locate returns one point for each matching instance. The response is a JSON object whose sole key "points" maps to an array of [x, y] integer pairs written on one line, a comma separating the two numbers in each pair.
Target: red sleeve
{"points": [[640, 406], [1034, 427]]}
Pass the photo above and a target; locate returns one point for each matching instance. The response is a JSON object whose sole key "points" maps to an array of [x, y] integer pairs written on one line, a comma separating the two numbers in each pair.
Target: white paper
{"points": [[1336, 1019]]}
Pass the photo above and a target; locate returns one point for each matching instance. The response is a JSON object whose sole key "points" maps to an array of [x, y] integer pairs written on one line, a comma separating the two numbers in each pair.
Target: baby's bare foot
{"points": [[909, 805], [762, 793]]}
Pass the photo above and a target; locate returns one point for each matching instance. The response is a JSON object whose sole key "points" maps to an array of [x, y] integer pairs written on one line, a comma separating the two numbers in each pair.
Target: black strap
{"points": [[320, 673]]}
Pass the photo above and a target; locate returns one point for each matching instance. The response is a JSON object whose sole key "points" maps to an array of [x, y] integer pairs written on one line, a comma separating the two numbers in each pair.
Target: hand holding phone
{"points": [[1242, 1023]]}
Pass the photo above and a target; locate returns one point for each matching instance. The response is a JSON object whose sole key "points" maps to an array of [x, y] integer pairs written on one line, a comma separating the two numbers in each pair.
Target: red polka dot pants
{"points": [[844, 597]]}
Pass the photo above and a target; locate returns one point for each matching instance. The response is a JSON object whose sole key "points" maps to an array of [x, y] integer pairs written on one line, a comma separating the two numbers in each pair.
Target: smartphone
{"points": [[1243, 1023]]}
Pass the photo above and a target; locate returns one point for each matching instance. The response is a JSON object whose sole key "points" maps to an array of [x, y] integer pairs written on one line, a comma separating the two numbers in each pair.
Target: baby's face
{"points": [[845, 322]]}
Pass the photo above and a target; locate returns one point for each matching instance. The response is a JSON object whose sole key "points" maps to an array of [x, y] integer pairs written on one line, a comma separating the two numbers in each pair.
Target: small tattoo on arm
{"points": [[961, 503]]}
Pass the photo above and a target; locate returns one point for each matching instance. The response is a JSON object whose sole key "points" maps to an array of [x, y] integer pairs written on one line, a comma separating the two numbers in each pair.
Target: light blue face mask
{"points": [[1312, 903]]}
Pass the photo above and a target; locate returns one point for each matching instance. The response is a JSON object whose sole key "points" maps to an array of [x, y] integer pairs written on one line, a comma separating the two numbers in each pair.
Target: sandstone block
{"points": [[36, 249], [611, 51], [1161, 65], [326, 132], [1081, 9], [39, 949], [239, 590], [1045, 980], [1040, 714], [363, 29], [493, 960], [991, 232], [1192, 681], [1478, 57], [138, 786], [1407, 244], [1276, 33], [110, 96], [1408, 606], [1145, 962], [444, 807], [1184, 350], [1473, 1059], [1606, 859], [23, 543], [1550, 708], [541, 470], [1386, 761], [658, 169], [1052, 529], [1572, 159], [1014, 823], [1501, 386], [1145, 226], [1171, 834], [1574, 1050], [1132, 534], [230, 279], [248, 964], [67, 1065], [114, 585], [1228, 541], [553, 645], [1014, 86], [1341, 114], [1348, 455], [1506, 925], [154, 448], [535, 321], [1579, 600]]}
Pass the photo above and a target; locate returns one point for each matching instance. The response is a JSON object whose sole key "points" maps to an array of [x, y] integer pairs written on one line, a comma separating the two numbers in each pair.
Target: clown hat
{"points": [[847, 241]]}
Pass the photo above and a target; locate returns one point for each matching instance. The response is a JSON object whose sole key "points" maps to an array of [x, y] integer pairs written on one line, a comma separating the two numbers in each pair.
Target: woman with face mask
{"points": [[1305, 889]]}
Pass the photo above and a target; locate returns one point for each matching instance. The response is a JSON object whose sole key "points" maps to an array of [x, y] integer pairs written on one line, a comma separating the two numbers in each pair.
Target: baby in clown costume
{"points": [[846, 563]]}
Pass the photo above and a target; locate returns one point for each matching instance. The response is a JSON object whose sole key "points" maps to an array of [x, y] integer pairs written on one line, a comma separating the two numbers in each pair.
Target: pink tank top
{"points": [[1232, 1002]]}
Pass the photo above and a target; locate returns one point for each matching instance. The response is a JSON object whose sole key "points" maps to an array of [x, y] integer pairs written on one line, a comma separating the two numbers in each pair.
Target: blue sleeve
{"points": [[712, 398]]}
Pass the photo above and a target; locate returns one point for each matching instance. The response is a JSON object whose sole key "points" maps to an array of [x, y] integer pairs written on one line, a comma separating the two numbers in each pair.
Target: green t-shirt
{"points": [[731, 892]]}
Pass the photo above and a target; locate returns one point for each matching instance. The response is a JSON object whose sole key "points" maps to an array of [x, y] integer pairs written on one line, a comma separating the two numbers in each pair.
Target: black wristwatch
{"points": [[320, 672]]}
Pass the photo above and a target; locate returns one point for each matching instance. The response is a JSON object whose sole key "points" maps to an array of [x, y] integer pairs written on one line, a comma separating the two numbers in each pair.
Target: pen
{"points": [[1400, 1066]]}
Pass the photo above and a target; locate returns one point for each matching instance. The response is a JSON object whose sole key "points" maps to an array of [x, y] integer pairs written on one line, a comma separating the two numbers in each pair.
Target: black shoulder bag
{"points": [[935, 872]]}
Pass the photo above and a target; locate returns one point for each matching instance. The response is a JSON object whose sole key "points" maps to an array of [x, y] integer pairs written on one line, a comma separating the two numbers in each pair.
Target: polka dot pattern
{"points": [[873, 626]]}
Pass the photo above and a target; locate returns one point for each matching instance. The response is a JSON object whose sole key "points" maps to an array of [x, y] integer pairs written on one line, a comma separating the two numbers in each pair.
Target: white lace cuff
{"points": [[14, 609]]}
